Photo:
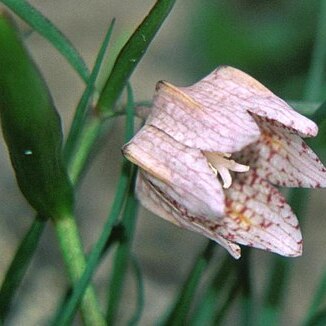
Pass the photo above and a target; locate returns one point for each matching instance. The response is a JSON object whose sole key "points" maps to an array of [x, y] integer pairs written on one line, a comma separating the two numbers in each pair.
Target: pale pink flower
{"points": [[209, 155]]}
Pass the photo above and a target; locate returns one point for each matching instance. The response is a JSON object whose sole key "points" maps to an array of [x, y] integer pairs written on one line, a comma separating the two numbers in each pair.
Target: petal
{"points": [[258, 216], [197, 123], [181, 172], [154, 200], [242, 92], [285, 159]]}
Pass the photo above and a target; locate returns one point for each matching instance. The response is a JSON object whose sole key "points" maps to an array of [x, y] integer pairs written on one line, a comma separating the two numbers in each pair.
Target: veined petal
{"points": [[206, 125], [153, 200], [257, 215], [236, 89], [181, 172], [160, 204], [285, 159]]}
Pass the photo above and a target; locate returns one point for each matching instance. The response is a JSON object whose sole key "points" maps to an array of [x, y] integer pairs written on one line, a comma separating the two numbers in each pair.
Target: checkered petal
{"points": [[239, 91], [193, 121], [181, 172], [153, 198], [284, 159], [257, 215]]}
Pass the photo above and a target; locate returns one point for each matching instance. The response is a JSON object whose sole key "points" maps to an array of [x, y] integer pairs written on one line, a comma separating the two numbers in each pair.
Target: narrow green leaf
{"points": [[19, 265], [128, 221], [131, 54], [275, 292], [140, 293], [226, 305], [50, 32], [208, 304], [81, 111], [181, 307], [319, 319], [120, 262]]}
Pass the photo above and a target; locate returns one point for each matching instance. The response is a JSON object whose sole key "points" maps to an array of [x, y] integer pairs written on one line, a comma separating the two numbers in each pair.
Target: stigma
{"points": [[221, 164]]}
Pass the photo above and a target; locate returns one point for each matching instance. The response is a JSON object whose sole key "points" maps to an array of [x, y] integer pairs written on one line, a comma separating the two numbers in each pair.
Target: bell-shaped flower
{"points": [[210, 155]]}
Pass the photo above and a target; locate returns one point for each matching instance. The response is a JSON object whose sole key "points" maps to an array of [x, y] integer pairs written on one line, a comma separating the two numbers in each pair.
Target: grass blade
{"points": [[317, 320], [131, 54], [128, 222], [50, 32], [180, 309], [228, 300], [120, 262], [19, 265], [140, 293], [206, 309], [81, 111]]}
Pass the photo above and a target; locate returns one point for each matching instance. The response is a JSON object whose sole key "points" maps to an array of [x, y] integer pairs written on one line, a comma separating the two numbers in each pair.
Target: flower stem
{"points": [[70, 243], [89, 136]]}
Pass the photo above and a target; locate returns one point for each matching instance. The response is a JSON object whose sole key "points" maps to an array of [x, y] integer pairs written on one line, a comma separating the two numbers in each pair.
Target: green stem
{"points": [[87, 140], [81, 112], [66, 314], [70, 243]]}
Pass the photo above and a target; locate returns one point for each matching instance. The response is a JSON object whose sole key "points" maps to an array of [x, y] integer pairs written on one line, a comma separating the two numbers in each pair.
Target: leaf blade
{"points": [[50, 32], [131, 54]]}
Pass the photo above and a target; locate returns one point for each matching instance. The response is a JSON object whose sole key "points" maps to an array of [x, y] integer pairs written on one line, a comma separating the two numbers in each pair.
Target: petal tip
{"points": [[295, 250]]}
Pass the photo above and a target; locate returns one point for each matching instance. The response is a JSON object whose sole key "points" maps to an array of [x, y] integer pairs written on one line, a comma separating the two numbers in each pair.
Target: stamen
{"points": [[220, 164], [226, 177]]}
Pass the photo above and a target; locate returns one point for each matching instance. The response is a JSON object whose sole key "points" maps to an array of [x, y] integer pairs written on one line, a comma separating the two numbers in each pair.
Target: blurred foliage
{"points": [[269, 39]]}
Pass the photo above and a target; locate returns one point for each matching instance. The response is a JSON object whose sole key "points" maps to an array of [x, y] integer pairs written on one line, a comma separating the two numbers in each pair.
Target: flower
{"points": [[210, 156]]}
